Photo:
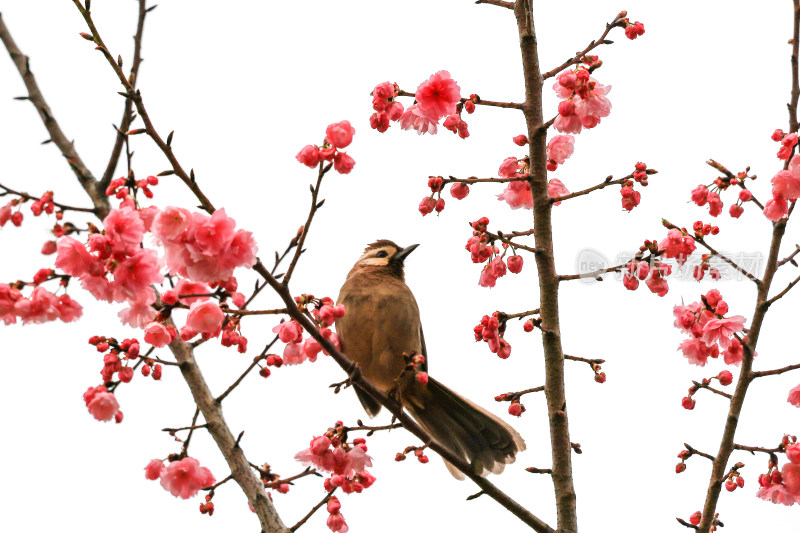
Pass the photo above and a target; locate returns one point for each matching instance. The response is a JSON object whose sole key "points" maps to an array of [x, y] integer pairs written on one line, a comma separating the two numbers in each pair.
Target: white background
{"points": [[246, 85]]}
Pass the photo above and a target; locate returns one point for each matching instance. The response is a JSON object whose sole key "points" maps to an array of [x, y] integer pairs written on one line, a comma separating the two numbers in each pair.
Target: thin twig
{"points": [[499, 3], [669, 225], [582, 54], [127, 113], [509, 105], [790, 257], [312, 511], [784, 291], [608, 182], [323, 169], [26, 196], [777, 371], [711, 389]]}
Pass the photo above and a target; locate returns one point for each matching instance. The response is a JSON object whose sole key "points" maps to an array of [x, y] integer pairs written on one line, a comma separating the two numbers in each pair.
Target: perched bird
{"points": [[381, 325]]}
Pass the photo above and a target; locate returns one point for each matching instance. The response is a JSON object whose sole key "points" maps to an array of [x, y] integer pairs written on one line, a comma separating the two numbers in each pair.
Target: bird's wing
{"points": [[424, 350]]}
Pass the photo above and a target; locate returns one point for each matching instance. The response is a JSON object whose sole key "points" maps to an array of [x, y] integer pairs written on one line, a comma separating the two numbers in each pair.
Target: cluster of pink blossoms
{"points": [[347, 464], [41, 306], [489, 331], [653, 272], [481, 251], [710, 331], [437, 97], [183, 478], [518, 192], [584, 100], [782, 486], [337, 136], [43, 205], [785, 189], [297, 350], [702, 195], [559, 149], [201, 247]]}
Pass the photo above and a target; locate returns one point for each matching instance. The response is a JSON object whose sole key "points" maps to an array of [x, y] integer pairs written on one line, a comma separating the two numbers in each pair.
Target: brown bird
{"points": [[381, 325]]}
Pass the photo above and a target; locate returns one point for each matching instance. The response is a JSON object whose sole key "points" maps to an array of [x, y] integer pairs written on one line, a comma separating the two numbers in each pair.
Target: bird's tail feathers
{"points": [[482, 439]]}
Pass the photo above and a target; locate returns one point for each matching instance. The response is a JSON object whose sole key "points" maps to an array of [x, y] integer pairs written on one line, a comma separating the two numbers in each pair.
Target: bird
{"points": [[381, 325]]}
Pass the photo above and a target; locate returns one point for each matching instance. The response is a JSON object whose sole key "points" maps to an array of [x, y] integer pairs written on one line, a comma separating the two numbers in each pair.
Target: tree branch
{"points": [[22, 62], [127, 113]]}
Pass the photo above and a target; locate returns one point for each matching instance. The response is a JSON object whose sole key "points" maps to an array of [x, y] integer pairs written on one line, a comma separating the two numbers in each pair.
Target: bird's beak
{"points": [[400, 256]]}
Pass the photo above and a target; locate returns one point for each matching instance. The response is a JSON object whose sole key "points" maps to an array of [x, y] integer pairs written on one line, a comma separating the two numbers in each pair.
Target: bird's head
{"points": [[383, 257]]}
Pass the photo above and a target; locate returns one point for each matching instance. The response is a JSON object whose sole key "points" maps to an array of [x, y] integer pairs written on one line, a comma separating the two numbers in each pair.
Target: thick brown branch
{"points": [[560, 444], [57, 136]]}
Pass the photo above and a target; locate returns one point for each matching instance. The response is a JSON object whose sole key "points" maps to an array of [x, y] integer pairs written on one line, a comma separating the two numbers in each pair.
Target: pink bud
{"points": [[680, 467], [49, 248], [170, 297], [422, 377], [695, 518], [725, 378], [521, 140], [427, 205], [459, 191], [688, 403], [515, 264]]}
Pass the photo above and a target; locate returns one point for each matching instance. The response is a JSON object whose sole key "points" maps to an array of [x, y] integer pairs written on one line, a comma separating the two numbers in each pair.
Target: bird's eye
{"points": [[382, 253]]}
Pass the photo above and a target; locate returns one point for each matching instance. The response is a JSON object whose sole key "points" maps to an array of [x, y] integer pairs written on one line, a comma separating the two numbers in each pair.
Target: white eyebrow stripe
{"points": [[372, 253]]}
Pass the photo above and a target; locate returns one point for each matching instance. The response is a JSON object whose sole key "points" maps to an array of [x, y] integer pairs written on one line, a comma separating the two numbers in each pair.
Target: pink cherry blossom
{"points": [[734, 353], [336, 523], [289, 331], [171, 224], [657, 284], [68, 309], [630, 198], [309, 156], [185, 288], [205, 317], [413, 118], [103, 406], [517, 194], [340, 134], [293, 354], [695, 351], [153, 469], [677, 246], [556, 189], [714, 204], [438, 96], [124, 228], [488, 277], [184, 478], [722, 329], [794, 396], [508, 168], [560, 148], [776, 493], [776, 209], [73, 257], [700, 195], [343, 163], [135, 274], [785, 185], [156, 334]]}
